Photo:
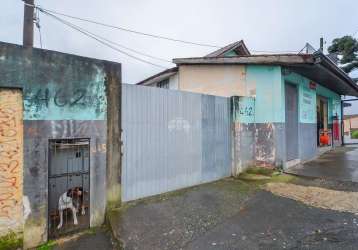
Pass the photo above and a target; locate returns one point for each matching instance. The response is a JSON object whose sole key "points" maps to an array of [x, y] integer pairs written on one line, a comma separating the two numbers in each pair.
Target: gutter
{"points": [[277, 59], [325, 61]]}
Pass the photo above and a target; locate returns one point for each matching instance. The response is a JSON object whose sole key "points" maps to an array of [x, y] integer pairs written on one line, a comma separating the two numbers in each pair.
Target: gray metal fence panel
{"points": [[172, 139]]}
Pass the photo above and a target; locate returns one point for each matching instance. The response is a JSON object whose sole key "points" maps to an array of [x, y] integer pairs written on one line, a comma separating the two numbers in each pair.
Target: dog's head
{"points": [[75, 192]]}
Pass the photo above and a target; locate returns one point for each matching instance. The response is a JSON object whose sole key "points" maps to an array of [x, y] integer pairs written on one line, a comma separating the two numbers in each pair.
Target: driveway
{"points": [[339, 164], [236, 214]]}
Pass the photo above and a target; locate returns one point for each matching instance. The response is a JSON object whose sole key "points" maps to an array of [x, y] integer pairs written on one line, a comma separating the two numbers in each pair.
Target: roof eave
{"points": [[161, 75], [331, 66], [282, 59]]}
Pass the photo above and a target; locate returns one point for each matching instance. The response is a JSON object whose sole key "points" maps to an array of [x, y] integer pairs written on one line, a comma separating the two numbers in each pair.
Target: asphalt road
{"points": [[230, 214]]}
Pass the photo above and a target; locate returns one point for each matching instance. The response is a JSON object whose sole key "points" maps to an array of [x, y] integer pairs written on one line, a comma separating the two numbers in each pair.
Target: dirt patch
{"points": [[318, 197]]}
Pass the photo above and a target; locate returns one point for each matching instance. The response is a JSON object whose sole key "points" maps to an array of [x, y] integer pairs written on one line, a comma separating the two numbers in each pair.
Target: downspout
{"points": [[342, 124]]}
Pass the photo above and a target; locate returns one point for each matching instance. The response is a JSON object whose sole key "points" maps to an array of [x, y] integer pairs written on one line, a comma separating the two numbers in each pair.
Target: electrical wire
{"points": [[122, 46], [38, 26], [91, 35], [144, 33], [125, 29]]}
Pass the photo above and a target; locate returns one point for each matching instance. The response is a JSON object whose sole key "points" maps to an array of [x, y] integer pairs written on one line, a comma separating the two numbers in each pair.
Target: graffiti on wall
{"points": [[11, 160], [79, 103], [243, 109]]}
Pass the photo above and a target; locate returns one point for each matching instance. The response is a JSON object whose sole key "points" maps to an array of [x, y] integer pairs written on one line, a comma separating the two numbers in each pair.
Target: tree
{"points": [[346, 48]]}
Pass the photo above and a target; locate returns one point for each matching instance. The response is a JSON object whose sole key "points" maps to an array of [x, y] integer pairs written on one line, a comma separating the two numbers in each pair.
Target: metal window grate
{"points": [[69, 171]]}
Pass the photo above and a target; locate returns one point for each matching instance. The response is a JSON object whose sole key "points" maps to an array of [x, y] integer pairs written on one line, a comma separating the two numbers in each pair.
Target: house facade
{"points": [[284, 105], [350, 126], [59, 129]]}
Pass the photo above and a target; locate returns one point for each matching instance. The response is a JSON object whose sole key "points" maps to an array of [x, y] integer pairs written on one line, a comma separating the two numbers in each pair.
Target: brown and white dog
{"points": [[72, 199]]}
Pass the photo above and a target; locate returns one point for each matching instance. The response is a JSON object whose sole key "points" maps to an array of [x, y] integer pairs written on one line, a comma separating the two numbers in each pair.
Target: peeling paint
{"points": [[265, 151], [27, 207]]}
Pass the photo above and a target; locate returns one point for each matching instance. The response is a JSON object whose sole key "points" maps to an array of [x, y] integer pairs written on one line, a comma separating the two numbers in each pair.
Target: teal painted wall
{"points": [[84, 101], [230, 53], [307, 99], [243, 109], [269, 83], [269, 101], [56, 86]]}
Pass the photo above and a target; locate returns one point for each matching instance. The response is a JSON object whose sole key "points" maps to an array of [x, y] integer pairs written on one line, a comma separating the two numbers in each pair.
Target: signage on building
{"points": [[244, 109], [307, 106], [313, 85]]}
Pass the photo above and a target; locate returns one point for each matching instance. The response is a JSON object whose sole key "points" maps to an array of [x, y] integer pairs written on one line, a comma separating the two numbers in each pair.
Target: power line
{"points": [[98, 39], [143, 33], [129, 30], [37, 22], [122, 46], [152, 35], [133, 50]]}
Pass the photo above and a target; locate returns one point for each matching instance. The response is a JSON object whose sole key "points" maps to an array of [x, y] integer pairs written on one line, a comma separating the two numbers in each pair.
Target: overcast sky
{"points": [[270, 25]]}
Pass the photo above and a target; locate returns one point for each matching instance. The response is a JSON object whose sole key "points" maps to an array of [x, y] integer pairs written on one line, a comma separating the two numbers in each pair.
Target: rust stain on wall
{"points": [[265, 145], [11, 161]]}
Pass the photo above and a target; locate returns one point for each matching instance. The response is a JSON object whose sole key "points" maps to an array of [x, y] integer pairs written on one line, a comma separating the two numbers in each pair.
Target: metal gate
{"points": [[172, 140], [68, 186], [350, 121], [291, 121]]}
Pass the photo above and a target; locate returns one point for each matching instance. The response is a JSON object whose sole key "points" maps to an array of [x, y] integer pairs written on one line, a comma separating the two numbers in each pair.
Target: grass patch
{"points": [[354, 134], [10, 241], [261, 171], [47, 246], [260, 176], [253, 177]]}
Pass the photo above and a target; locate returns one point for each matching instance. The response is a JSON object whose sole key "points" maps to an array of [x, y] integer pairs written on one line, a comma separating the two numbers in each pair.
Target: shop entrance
{"points": [[324, 133]]}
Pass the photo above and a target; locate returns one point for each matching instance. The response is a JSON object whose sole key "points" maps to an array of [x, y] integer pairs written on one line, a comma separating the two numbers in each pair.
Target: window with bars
{"points": [[164, 84]]}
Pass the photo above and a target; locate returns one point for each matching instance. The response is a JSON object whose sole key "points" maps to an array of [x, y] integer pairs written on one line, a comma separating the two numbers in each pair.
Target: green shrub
{"points": [[354, 134], [47, 246], [10, 241]]}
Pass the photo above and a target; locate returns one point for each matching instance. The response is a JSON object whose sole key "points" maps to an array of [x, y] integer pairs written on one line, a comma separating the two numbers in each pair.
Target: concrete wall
{"points": [[220, 80], [258, 136], [350, 124], [64, 97], [269, 113], [266, 128], [11, 161], [174, 82]]}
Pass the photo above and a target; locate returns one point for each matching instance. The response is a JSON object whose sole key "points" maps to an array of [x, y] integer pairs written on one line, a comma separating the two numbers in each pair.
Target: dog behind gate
{"points": [[73, 199]]}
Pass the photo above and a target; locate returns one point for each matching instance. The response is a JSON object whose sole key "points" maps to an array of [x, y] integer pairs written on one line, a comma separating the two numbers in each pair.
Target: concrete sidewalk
{"points": [[233, 214], [339, 164]]}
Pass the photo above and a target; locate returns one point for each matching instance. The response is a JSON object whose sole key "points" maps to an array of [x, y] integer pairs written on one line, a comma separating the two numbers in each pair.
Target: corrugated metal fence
{"points": [[172, 140]]}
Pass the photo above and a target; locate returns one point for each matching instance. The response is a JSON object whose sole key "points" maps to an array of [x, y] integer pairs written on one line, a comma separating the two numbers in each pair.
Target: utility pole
{"points": [[28, 31], [321, 44]]}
